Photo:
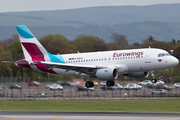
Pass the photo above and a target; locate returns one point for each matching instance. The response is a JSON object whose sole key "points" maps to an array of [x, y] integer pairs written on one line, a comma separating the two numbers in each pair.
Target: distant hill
{"points": [[136, 22]]}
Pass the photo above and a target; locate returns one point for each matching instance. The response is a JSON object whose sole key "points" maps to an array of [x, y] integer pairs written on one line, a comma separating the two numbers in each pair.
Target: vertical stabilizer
{"points": [[32, 48]]}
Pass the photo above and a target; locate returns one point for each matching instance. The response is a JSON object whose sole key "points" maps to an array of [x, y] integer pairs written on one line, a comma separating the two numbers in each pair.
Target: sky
{"points": [[37, 5]]}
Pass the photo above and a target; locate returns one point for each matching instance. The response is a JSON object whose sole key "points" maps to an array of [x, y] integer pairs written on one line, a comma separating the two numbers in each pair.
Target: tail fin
{"points": [[32, 48]]}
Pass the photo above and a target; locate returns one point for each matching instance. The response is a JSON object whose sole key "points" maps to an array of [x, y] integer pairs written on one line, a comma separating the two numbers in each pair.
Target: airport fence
{"points": [[69, 92]]}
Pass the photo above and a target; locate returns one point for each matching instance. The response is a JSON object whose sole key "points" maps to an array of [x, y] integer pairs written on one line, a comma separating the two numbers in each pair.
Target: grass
{"points": [[160, 105]]}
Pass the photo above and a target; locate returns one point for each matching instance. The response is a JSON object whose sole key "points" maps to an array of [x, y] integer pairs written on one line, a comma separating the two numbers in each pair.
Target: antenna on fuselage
{"points": [[78, 52], [149, 47]]}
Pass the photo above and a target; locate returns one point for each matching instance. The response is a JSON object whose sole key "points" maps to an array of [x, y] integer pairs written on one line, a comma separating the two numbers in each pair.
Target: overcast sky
{"points": [[34, 5]]}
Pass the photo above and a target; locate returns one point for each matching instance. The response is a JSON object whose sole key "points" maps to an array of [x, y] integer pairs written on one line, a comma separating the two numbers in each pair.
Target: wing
{"points": [[87, 69]]}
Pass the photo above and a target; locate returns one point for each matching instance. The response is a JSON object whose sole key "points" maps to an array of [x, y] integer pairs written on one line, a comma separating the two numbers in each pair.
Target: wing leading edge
{"points": [[75, 67]]}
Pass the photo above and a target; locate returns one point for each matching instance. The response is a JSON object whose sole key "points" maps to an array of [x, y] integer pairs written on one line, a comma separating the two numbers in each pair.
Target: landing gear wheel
{"points": [[110, 83], [89, 84], [154, 80]]}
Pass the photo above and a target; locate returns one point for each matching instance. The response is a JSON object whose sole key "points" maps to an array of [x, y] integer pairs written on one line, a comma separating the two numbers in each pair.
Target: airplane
{"points": [[103, 65]]}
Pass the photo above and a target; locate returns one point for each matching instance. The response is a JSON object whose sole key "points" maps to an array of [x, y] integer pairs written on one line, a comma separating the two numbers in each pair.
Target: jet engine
{"points": [[138, 74], [110, 73]]}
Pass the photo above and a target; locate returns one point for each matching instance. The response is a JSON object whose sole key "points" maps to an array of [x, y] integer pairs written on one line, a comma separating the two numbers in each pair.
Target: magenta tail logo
{"points": [[34, 51]]}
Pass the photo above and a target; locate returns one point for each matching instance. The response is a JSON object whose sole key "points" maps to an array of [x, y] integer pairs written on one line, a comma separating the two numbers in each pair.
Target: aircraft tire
{"points": [[110, 83], [89, 84], [154, 81]]}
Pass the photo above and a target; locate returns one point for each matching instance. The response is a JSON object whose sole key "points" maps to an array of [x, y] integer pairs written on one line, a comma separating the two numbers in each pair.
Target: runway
{"points": [[41, 115]]}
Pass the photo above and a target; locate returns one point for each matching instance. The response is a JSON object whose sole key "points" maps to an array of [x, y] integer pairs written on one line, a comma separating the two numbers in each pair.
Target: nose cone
{"points": [[175, 61]]}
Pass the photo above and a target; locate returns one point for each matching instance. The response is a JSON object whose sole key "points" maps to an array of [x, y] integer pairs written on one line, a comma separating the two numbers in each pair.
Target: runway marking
{"points": [[10, 119], [56, 118]]}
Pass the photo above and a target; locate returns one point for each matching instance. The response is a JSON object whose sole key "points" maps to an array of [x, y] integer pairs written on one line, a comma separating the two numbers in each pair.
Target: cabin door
{"points": [[148, 56]]}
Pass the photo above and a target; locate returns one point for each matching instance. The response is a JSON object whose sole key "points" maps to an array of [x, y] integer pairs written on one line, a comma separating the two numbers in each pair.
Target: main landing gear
{"points": [[89, 83]]}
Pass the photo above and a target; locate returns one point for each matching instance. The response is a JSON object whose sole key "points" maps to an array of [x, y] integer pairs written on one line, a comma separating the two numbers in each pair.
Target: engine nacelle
{"points": [[107, 73], [138, 74]]}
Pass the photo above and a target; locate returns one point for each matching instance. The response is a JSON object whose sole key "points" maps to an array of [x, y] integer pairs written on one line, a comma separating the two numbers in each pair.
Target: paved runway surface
{"points": [[32, 115]]}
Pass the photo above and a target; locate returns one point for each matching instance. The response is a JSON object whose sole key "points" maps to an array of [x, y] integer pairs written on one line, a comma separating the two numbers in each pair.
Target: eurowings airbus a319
{"points": [[104, 65]]}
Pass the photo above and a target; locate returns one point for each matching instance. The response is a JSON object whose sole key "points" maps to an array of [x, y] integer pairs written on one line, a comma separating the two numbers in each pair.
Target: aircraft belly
{"points": [[133, 66], [69, 73]]}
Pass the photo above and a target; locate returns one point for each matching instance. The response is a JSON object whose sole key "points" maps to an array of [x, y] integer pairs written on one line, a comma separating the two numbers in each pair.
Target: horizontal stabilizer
{"points": [[15, 62]]}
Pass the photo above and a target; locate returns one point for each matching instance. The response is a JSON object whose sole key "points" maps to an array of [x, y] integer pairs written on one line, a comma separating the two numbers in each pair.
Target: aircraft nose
{"points": [[175, 61]]}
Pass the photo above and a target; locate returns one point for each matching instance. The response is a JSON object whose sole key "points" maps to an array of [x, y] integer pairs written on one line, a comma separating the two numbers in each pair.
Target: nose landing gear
{"points": [[154, 79]]}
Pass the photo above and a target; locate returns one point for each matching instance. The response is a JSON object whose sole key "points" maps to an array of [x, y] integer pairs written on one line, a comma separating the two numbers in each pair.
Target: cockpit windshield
{"points": [[163, 54]]}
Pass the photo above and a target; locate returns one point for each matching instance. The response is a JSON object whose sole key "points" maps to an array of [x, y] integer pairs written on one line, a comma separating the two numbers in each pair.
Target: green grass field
{"points": [[160, 105]]}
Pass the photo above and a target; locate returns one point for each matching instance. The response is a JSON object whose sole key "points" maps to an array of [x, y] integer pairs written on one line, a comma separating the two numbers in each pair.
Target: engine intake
{"points": [[107, 73]]}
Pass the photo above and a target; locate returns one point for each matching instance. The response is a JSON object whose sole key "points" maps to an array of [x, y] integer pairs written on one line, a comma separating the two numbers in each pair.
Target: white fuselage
{"points": [[133, 60]]}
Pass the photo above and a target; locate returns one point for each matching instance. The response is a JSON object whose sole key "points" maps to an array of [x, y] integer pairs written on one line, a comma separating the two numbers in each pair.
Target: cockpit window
{"points": [[163, 54], [167, 54], [159, 55]]}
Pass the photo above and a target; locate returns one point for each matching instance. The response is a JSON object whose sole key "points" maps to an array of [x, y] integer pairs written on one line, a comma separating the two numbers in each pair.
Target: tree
{"points": [[16, 50], [88, 43], [158, 44], [150, 38], [54, 43], [120, 40], [5, 55], [172, 42], [136, 44]]}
